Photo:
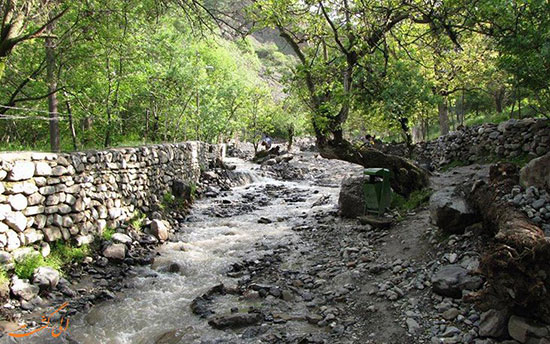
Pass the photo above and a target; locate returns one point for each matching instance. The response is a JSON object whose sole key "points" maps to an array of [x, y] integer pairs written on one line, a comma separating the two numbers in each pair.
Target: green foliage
{"points": [[61, 254], [520, 160], [65, 253], [193, 187], [108, 233], [167, 199], [138, 74], [25, 268], [416, 199], [136, 222]]}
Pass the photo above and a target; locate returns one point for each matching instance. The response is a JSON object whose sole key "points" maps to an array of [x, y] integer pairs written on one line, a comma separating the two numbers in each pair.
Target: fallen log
{"points": [[516, 264]]}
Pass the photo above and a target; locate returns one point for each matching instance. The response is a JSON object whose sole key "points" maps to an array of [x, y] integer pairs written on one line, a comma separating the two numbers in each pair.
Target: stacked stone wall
{"points": [[509, 139], [45, 197]]}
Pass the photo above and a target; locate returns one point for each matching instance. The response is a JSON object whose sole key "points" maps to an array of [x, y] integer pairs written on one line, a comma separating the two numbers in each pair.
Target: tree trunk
{"points": [[146, 126], [516, 264], [52, 98], [405, 176], [443, 117], [71, 122], [499, 99]]}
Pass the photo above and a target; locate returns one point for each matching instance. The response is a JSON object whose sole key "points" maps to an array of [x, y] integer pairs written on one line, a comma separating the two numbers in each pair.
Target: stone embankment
{"points": [[510, 139], [47, 197]]}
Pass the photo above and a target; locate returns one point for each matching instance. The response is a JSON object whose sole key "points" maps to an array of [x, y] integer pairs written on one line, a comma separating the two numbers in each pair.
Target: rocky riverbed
{"points": [[272, 262]]}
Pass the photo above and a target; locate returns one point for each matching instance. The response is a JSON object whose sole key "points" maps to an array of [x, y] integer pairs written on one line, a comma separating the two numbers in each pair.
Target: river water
{"points": [[157, 308]]}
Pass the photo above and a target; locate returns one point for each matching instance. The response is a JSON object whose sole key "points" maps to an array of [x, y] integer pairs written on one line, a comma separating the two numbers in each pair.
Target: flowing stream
{"points": [[157, 308]]}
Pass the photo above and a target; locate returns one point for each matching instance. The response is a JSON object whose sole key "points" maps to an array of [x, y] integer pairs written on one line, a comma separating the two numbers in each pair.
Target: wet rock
{"points": [[494, 323], [45, 277], [235, 320], [450, 212], [115, 251], [264, 220], [450, 280], [201, 305], [159, 229], [23, 290], [121, 238], [170, 337]]}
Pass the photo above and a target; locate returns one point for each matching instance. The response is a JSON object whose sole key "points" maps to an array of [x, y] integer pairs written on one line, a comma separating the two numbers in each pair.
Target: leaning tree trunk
{"points": [[405, 176], [516, 263]]}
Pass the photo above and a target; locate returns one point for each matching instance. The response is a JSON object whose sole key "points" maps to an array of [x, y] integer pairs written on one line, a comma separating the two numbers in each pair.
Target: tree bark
{"points": [[71, 122], [405, 176], [516, 263], [52, 98], [443, 110]]}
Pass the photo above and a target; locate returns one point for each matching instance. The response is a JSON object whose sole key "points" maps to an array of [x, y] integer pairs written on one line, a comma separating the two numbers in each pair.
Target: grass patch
{"points": [[26, 267], [173, 203], [66, 254], [136, 222], [415, 200], [108, 233], [520, 160], [193, 191], [61, 255]]}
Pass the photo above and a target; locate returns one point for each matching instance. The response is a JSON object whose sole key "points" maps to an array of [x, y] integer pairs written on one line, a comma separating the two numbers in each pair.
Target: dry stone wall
{"points": [[45, 197], [508, 139]]}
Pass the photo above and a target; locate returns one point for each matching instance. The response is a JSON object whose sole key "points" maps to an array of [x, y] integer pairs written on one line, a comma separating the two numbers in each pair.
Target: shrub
{"points": [[108, 233], [26, 267], [137, 220]]}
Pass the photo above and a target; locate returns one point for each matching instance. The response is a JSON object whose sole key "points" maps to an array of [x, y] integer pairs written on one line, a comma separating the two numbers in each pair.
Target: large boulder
{"points": [[536, 173], [159, 229], [352, 197], [450, 211], [452, 279]]}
